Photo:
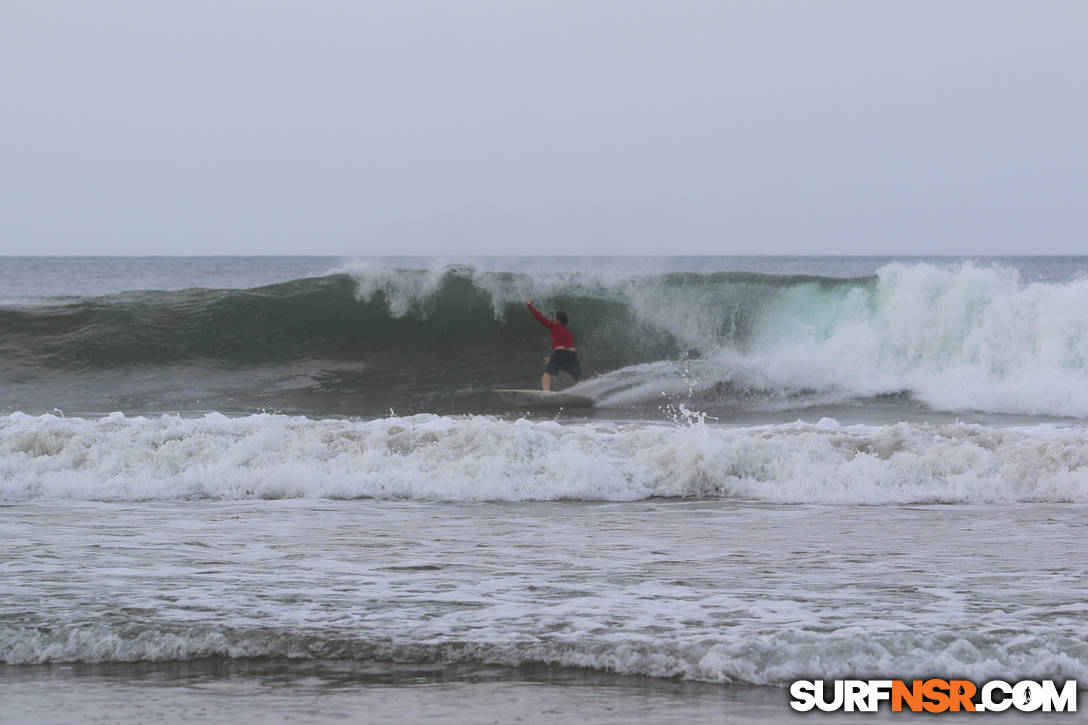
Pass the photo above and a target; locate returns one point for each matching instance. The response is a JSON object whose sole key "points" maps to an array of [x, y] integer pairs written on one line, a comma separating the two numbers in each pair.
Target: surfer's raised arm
{"points": [[539, 317], [563, 356]]}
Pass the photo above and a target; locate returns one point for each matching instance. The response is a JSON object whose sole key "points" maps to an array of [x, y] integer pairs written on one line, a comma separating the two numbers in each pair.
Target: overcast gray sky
{"points": [[565, 126]]}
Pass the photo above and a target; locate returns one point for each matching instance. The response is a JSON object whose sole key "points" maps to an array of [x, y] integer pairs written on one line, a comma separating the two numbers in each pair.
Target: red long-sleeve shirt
{"points": [[561, 336]]}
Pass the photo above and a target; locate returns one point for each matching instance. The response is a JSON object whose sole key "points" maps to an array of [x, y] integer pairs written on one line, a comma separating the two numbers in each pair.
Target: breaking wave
{"points": [[963, 338]]}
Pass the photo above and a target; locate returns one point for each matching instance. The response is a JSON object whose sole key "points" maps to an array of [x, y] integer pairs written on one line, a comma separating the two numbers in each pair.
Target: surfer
{"points": [[563, 356]]}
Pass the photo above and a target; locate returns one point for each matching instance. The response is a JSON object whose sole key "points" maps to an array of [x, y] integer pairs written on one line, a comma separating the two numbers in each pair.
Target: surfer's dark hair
{"points": [[562, 317]]}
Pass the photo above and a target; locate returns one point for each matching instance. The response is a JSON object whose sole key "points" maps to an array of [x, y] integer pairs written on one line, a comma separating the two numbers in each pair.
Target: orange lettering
{"points": [[912, 695], [936, 691], [961, 692]]}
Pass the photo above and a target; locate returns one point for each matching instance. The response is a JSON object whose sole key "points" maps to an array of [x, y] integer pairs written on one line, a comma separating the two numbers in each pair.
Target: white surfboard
{"points": [[543, 399]]}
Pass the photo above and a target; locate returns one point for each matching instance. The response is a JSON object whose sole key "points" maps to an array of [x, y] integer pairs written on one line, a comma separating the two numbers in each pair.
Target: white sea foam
{"points": [[758, 659], [430, 457], [713, 590]]}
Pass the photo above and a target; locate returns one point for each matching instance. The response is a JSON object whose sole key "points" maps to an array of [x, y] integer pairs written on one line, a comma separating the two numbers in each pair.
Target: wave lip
{"points": [[430, 457]]}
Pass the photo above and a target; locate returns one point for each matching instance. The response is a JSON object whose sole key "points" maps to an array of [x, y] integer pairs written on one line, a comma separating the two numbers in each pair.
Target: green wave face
{"points": [[395, 323], [396, 338]]}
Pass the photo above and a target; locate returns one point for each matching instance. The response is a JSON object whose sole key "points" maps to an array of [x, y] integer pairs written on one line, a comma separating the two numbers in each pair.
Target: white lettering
{"points": [[804, 697], [856, 696], [989, 704], [1064, 701], [879, 690], [1027, 696], [821, 700]]}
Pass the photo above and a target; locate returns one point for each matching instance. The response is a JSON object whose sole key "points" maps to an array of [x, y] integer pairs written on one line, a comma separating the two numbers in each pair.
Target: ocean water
{"points": [[280, 489]]}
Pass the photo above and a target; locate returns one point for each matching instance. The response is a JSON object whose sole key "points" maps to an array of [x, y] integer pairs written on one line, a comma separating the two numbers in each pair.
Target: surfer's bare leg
{"points": [[545, 382]]}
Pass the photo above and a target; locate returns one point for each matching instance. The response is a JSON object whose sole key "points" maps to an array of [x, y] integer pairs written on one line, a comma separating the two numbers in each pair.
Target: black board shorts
{"points": [[562, 359]]}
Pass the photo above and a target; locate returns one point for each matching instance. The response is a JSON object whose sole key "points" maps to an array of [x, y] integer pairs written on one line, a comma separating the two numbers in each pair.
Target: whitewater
{"points": [[435, 458], [280, 488]]}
